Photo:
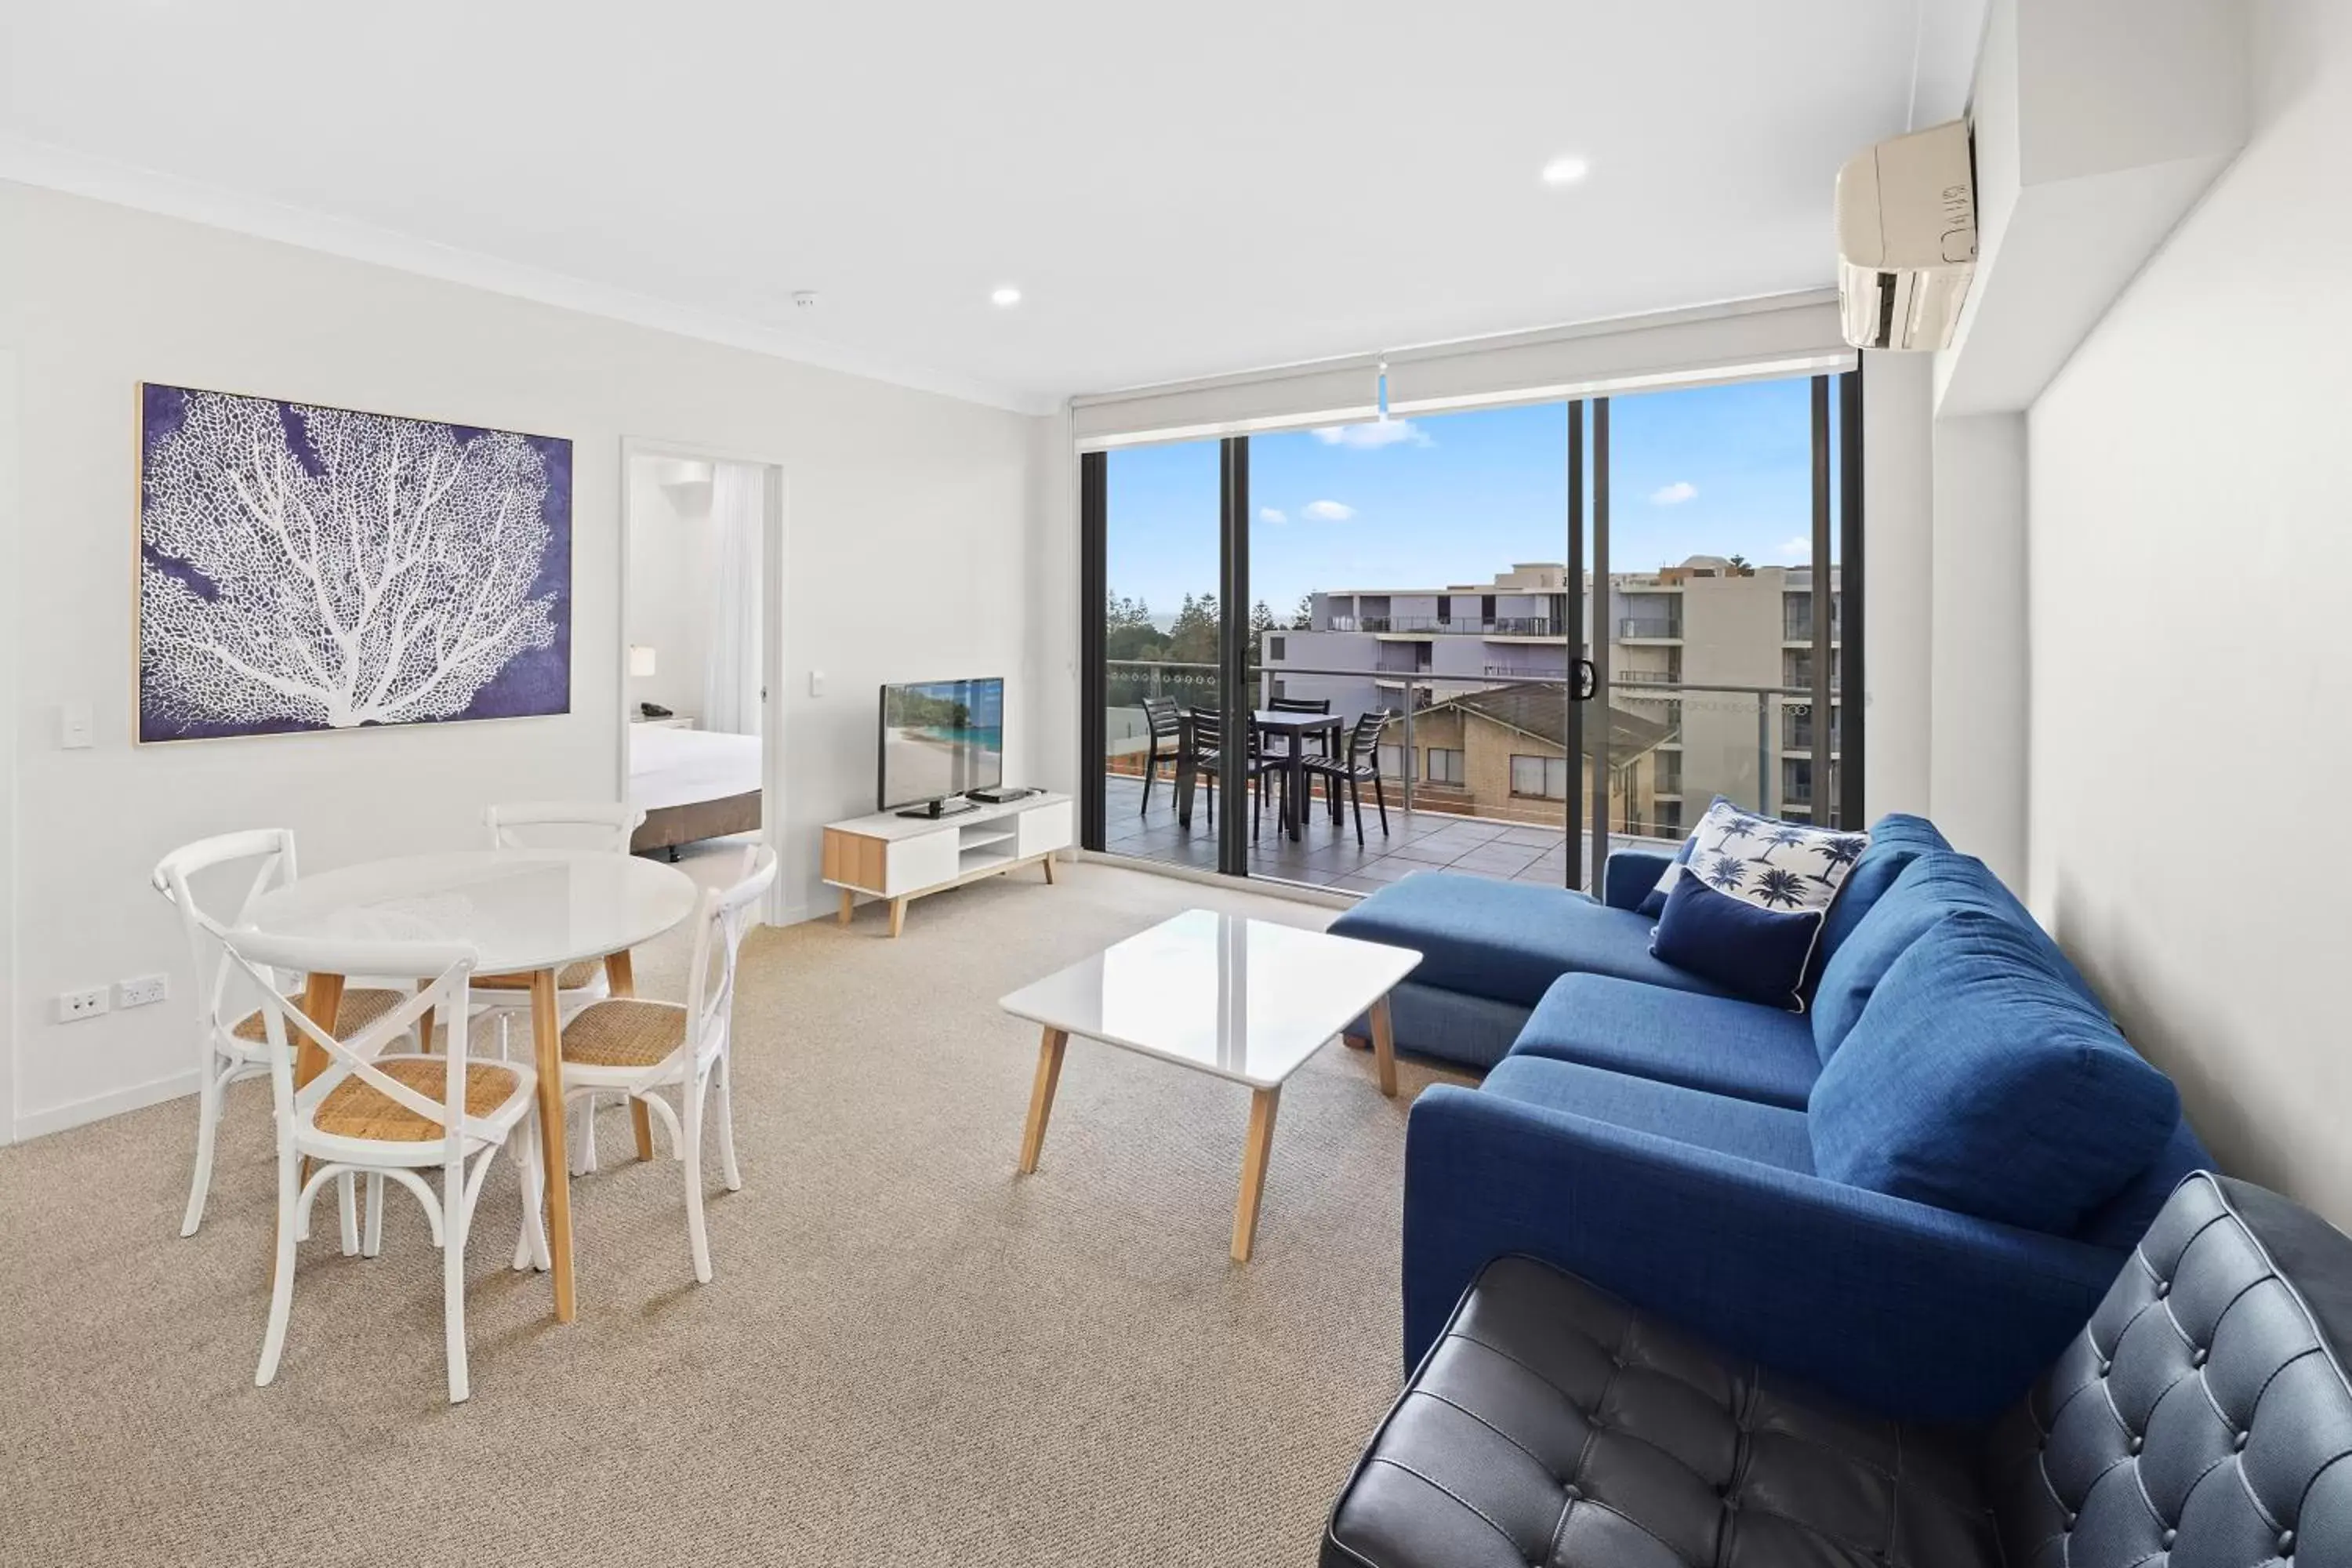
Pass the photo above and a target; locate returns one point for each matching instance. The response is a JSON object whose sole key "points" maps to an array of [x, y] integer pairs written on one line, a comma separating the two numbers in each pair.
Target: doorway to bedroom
{"points": [[701, 581]]}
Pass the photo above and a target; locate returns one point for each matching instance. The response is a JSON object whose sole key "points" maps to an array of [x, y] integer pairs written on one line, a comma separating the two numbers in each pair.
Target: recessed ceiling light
{"points": [[1566, 170], [1005, 297]]}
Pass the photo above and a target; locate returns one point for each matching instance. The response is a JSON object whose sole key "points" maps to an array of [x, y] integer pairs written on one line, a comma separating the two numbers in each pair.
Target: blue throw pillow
{"points": [[1977, 1079], [1753, 952]]}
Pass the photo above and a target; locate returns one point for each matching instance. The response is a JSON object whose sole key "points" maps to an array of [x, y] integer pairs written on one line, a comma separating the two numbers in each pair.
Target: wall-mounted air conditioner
{"points": [[1906, 233]]}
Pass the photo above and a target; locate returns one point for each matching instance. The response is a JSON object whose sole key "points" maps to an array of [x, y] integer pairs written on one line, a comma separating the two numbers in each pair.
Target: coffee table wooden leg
{"points": [[547, 1037], [1384, 1048], [1049, 870], [621, 980], [1041, 1097], [848, 907], [1255, 1150], [897, 916]]}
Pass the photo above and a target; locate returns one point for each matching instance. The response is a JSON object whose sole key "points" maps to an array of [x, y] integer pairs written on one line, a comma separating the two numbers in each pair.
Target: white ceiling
{"points": [[1178, 190]]}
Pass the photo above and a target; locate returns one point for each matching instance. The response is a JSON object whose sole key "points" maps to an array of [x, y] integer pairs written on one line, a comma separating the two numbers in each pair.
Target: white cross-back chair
{"points": [[639, 1048], [230, 1043], [391, 1116], [557, 825]]}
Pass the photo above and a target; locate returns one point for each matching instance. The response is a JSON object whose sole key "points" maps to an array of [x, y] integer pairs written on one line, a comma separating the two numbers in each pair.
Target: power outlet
{"points": [[75, 1005], [143, 992]]}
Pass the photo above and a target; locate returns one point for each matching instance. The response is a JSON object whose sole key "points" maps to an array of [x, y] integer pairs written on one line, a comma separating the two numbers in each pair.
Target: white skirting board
{"points": [[114, 1102]]}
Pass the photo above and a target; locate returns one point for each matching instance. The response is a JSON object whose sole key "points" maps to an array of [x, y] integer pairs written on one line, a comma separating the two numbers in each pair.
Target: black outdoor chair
{"points": [[1207, 757], [1167, 724], [1317, 745], [1361, 764]]}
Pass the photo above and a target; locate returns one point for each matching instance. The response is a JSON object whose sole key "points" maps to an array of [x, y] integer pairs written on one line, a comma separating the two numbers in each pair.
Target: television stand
{"points": [[902, 858]]}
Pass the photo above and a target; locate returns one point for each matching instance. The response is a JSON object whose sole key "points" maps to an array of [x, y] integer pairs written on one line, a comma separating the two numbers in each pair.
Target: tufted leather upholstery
{"points": [[2200, 1420]]}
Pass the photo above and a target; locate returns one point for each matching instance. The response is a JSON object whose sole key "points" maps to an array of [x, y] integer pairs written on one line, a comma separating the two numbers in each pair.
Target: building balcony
{"points": [[1645, 629], [1465, 626]]}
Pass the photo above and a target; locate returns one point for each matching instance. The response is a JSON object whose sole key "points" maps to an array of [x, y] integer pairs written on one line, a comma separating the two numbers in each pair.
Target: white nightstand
{"points": [[675, 721]]}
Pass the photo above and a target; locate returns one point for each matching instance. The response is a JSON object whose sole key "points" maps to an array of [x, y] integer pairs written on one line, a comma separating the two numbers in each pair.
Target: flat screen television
{"points": [[940, 738]]}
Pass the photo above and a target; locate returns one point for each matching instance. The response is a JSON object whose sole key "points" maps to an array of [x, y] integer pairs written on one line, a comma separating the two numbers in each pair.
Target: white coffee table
{"points": [[1240, 999]]}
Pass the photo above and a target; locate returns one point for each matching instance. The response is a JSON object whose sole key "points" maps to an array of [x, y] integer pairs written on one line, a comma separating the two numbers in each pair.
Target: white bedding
{"points": [[679, 767]]}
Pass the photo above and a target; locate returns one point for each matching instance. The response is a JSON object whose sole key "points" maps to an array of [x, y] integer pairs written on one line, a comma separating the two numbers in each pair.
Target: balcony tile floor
{"points": [[1328, 857]]}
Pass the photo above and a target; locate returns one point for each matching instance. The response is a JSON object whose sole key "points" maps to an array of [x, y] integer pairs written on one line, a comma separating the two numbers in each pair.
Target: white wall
{"points": [[673, 559], [913, 545], [1898, 521], [1977, 640], [2191, 697]]}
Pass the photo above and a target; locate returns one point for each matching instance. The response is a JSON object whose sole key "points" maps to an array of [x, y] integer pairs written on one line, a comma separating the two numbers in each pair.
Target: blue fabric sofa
{"points": [[1912, 1194]]}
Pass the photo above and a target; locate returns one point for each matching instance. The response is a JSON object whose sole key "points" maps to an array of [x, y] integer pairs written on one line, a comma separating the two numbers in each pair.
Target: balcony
{"points": [[1471, 627], [1649, 628]]}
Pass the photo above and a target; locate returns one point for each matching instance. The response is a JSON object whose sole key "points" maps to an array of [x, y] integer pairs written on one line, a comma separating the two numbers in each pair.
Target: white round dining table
{"points": [[525, 912]]}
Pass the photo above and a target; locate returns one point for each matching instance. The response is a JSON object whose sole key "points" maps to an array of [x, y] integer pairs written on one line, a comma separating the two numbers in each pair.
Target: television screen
{"points": [[940, 738]]}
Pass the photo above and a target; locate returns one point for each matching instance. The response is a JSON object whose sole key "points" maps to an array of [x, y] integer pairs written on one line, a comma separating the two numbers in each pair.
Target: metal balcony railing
{"points": [[1458, 625]]}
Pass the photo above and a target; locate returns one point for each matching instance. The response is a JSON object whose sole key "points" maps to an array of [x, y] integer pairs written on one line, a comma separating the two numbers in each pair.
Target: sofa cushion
{"points": [[1768, 1134], [1895, 840], [1552, 1423], [1756, 954], [1932, 886], [1977, 1080], [1509, 941], [1771, 863], [1711, 1043]]}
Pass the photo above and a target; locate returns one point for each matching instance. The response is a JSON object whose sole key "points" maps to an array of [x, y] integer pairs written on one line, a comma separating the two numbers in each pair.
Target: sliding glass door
{"points": [[1394, 618]]}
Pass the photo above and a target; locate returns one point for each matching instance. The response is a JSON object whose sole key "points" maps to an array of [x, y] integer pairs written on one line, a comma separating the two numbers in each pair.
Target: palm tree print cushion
{"points": [[1743, 905], [1787, 867]]}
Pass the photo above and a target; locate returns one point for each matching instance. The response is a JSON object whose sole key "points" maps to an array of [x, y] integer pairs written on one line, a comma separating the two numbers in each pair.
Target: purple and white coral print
{"points": [[311, 568]]}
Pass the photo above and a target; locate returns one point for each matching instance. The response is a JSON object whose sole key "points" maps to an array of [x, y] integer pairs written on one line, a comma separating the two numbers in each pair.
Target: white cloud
{"points": [[1367, 437], [1327, 511], [1271, 514], [1674, 494], [1800, 546]]}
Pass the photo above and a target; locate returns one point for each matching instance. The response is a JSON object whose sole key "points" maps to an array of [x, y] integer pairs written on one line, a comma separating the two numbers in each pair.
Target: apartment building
{"points": [[1711, 659]]}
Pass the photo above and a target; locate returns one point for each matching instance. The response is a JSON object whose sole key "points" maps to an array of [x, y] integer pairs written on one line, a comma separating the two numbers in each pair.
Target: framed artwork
{"points": [[311, 568]]}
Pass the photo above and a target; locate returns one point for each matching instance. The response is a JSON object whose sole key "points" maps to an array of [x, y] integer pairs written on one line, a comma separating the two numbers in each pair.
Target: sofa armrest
{"points": [[1904, 1308], [1630, 874]]}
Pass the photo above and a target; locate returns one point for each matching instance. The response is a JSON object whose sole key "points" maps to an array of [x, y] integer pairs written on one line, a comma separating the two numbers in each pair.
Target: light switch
{"points": [[816, 683], [75, 726]]}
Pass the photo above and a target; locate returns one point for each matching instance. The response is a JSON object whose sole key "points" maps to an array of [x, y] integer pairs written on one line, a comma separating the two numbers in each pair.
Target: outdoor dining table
{"points": [[524, 911], [1267, 721]]}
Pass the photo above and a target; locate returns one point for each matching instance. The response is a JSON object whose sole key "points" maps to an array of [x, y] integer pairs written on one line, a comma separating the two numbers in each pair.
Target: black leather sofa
{"points": [[2201, 1419]]}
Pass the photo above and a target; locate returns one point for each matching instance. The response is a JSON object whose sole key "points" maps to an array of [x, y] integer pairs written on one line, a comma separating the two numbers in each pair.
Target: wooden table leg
{"points": [[849, 906], [547, 1037], [1384, 1048], [1041, 1097], [897, 917], [1255, 1150], [1049, 868], [621, 980]]}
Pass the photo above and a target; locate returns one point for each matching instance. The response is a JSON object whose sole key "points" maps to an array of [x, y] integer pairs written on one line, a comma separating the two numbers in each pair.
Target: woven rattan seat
{"points": [[357, 1108], [570, 977], [624, 1033], [361, 1006]]}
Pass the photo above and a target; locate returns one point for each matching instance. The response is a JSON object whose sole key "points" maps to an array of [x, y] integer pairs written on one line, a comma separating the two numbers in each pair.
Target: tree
{"points": [[1261, 622], [1192, 638], [1738, 566], [1304, 621], [334, 568]]}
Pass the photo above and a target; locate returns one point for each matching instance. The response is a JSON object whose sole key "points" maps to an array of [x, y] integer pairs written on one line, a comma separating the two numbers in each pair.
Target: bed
{"points": [[691, 785]]}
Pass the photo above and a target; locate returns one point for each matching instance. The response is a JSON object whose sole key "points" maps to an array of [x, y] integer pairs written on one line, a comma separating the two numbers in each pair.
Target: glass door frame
{"points": [[1588, 605]]}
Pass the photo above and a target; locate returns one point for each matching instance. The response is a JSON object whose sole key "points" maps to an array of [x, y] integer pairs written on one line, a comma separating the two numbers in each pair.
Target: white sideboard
{"points": [[887, 856]]}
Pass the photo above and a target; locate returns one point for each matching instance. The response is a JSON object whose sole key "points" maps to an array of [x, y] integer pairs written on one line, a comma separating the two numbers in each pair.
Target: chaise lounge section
{"points": [[1910, 1194]]}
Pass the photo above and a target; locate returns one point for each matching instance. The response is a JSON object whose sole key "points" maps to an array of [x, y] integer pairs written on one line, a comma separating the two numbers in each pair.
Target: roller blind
{"points": [[1751, 340]]}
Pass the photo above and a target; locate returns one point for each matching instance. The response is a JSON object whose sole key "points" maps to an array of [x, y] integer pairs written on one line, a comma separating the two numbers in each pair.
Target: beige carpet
{"points": [[907, 1356]]}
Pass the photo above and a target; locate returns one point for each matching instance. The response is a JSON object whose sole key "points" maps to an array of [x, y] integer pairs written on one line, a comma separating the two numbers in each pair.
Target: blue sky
{"points": [[1455, 499]]}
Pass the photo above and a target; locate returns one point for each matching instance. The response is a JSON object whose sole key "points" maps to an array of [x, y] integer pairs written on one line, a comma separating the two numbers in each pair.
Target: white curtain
{"points": [[730, 681]]}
